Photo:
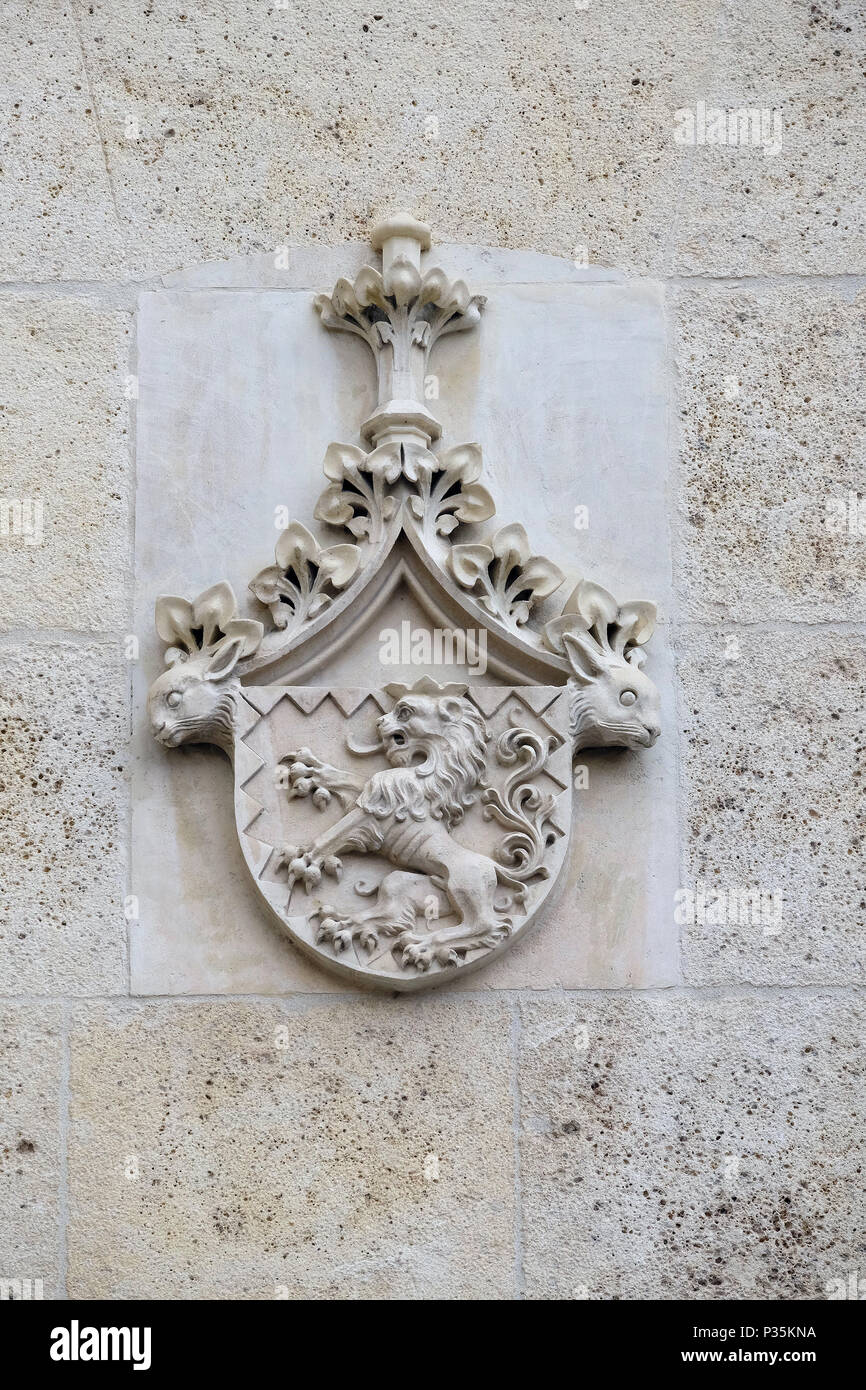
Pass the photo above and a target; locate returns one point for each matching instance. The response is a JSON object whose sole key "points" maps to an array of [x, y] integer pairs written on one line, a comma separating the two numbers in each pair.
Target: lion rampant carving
{"points": [[437, 750]]}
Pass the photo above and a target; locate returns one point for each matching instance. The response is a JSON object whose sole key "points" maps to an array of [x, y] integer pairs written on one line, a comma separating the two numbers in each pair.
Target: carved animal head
{"points": [[194, 701], [613, 704], [442, 739]]}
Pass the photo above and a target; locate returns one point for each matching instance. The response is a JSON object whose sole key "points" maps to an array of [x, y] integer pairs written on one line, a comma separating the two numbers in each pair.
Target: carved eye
{"points": [[174, 699], [627, 697], [403, 713]]}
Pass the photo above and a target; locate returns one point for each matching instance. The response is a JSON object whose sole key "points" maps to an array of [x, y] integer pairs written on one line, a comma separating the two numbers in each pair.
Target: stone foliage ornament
{"points": [[406, 834]]}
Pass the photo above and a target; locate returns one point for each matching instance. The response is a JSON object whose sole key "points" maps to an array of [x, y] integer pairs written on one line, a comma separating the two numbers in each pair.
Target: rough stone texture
{"points": [[60, 218], [774, 767], [744, 212], [64, 440], [364, 1151], [759, 468], [525, 125], [721, 1158], [63, 728], [30, 1069]]}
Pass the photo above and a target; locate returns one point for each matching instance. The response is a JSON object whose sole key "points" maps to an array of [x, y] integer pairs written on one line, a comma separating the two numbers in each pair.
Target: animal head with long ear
{"points": [[613, 703], [195, 700]]}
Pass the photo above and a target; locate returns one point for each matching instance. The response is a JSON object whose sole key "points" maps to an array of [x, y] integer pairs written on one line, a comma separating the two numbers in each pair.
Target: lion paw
{"points": [[341, 931], [417, 954], [307, 866]]}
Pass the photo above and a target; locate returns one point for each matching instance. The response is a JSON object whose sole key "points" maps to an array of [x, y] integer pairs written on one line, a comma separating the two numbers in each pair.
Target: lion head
{"points": [[441, 742]]}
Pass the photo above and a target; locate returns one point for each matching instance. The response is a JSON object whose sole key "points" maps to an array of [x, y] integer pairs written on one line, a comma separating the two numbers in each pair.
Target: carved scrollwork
{"points": [[522, 807], [295, 589], [509, 577]]}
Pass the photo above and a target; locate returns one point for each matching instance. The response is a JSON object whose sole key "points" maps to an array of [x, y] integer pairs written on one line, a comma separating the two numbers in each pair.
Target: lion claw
{"points": [[419, 956], [307, 867]]}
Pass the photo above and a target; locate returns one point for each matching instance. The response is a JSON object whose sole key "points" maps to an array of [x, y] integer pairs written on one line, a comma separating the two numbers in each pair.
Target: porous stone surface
{"points": [[215, 130], [773, 440], [720, 1158], [774, 743], [64, 442], [61, 219], [30, 1162], [63, 727], [352, 1150]]}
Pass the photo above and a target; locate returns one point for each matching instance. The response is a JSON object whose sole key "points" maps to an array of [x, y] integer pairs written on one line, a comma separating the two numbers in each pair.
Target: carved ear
{"points": [[451, 707], [224, 659], [636, 656], [587, 661]]}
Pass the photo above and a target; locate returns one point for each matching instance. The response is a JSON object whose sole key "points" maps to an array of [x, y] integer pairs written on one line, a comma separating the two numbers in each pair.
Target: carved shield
{"points": [[440, 878], [400, 835]]}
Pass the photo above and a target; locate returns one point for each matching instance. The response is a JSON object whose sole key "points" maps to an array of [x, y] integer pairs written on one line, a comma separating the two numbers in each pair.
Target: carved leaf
{"points": [[295, 546], [249, 630], [339, 564], [511, 546], [463, 461], [555, 631], [594, 603], [333, 507], [419, 465], [369, 288], [384, 462], [402, 281], [476, 504], [213, 609], [265, 585], [341, 460], [469, 563], [636, 622], [541, 576], [174, 620]]}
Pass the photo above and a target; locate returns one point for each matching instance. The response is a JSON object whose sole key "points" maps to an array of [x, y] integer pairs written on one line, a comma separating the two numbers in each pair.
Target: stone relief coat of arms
{"points": [[409, 833]]}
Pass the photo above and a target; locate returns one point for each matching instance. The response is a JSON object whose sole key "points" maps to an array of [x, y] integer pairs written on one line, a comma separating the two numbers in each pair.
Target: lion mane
{"points": [[452, 735]]}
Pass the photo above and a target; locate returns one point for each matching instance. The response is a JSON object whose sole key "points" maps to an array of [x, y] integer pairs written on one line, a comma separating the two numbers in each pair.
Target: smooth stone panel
{"points": [[30, 1072], [351, 1150], [773, 770], [691, 1148], [240, 393]]}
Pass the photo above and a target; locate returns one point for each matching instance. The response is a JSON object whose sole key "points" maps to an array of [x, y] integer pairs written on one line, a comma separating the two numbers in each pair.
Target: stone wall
{"points": [[517, 1139]]}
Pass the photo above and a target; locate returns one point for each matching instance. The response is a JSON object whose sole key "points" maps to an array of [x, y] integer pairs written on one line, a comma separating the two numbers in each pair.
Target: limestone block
{"points": [[773, 442], [698, 1148], [773, 776], [351, 1150], [61, 220], [519, 127], [64, 457], [30, 1068], [789, 204], [63, 818]]}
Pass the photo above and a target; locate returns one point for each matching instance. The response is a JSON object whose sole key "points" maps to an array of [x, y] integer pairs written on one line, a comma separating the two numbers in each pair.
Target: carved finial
{"points": [[401, 313]]}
